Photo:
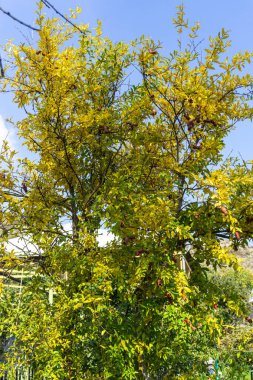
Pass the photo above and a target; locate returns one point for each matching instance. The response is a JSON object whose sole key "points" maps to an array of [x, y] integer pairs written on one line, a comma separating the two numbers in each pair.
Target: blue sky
{"points": [[128, 19]]}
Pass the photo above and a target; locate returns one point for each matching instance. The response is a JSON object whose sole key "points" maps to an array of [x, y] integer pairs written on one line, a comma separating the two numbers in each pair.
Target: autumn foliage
{"points": [[141, 157]]}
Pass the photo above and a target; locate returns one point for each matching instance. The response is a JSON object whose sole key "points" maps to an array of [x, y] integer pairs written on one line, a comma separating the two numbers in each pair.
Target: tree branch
{"points": [[49, 5], [7, 275], [1, 67], [19, 21]]}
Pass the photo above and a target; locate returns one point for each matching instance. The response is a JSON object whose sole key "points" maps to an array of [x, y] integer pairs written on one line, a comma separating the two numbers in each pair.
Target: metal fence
{"points": [[21, 374]]}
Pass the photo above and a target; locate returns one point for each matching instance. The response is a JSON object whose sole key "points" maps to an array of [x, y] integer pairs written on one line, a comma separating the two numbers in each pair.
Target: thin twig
{"points": [[19, 21], [49, 5]]}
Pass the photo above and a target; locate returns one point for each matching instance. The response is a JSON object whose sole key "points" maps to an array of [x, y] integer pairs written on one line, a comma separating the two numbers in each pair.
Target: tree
{"points": [[143, 160]]}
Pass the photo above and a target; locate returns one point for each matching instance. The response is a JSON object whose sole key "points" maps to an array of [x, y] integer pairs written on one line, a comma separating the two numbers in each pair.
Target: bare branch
{"points": [[10, 277], [19, 21], [49, 5], [1, 67]]}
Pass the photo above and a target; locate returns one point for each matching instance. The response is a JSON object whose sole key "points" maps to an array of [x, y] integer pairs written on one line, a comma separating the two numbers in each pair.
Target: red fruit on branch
{"points": [[128, 239], [152, 52], [169, 298], [188, 322], [24, 187], [237, 235], [140, 252], [190, 124], [223, 210], [159, 282], [197, 215]]}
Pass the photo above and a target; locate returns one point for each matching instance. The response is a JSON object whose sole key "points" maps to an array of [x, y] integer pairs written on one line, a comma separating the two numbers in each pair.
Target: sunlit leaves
{"points": [[126, 139]]}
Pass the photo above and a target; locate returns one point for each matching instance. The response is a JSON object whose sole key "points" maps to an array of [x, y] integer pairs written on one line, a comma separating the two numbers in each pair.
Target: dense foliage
{"points": [[234, 349], [123, 138]]}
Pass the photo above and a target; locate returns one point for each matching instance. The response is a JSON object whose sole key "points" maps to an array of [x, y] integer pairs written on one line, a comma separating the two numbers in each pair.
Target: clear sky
{"points": [[128, 19]]}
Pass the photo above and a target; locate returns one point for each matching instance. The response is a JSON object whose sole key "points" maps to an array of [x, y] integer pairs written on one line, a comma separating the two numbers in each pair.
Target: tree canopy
{"points": [[121, 137]]}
